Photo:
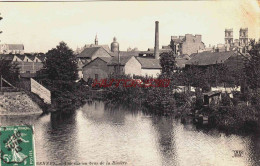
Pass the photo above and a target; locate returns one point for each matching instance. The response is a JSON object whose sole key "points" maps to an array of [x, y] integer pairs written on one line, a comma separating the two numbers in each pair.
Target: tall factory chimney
{"points": [[156, 44]]}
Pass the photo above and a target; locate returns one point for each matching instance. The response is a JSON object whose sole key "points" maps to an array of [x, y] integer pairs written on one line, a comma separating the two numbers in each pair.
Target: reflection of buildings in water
{"points": [[164, 128], [98, 112], [61, 138]]}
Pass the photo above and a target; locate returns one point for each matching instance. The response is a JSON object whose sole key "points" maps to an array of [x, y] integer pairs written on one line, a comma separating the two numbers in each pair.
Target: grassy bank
{"points": [[231, 114]]}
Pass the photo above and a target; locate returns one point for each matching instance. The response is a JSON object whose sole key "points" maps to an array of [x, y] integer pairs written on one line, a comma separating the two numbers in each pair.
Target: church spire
{"points": [[96, 40]]}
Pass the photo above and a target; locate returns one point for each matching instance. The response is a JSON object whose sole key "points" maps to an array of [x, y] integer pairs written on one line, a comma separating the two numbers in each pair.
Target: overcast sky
{"points": [[40, 26]]}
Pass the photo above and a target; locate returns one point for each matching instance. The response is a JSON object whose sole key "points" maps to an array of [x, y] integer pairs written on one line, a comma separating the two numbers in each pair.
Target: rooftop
{"points": [[209, 58], [149, 63]]}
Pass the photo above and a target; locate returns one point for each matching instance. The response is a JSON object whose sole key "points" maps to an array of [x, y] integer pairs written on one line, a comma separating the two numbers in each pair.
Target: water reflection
{"points": [[114, 132], [62, 137], [165, 134]]}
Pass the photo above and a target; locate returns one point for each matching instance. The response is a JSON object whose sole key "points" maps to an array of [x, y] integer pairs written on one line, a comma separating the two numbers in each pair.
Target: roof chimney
{"points": [[156, 44]]}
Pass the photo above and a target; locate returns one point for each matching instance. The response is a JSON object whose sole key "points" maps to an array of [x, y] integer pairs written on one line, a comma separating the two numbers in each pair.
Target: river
{"points": [[98, 133]]}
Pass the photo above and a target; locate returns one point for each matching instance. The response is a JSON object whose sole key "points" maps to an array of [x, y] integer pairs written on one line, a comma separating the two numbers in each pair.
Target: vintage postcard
{"points": [[130, 83]]}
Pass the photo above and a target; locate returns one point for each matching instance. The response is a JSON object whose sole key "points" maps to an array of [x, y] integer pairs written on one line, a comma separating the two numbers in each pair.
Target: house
{"points": [[149, 66], [89, 54], [96, 69], [92, 53], [127, 65], [11, 49], [231, 59]]}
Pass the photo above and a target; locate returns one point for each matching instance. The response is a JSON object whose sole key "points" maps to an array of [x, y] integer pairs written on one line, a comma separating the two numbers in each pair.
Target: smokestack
{"points": [[156, 44]]}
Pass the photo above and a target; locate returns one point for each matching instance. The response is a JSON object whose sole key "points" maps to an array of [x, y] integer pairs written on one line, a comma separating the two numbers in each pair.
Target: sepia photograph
{"points": [[130, 83]]}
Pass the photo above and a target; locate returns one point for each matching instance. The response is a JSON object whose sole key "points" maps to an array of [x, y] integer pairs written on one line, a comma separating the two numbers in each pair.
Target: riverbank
{"points": [[18, 103], [230, 114]]}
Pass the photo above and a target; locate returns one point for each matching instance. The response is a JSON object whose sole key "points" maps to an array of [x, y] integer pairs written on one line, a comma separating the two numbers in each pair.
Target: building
{"points": [[243, 37], [229, 36], [11, 49], [89, 54], [96, 69], [114, 45], [92, 53], [150, 67], [28, 64], [79, 50], [231, 59], [187, 44], [231, 43], [97, 63], [127, 65]]}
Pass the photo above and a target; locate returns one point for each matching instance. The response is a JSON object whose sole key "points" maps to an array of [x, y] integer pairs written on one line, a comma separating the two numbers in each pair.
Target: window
{"points": [[36, 60], [28, 72]]}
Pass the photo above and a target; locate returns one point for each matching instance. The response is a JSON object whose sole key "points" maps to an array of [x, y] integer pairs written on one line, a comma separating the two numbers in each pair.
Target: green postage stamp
{"points": [[17, 146]]}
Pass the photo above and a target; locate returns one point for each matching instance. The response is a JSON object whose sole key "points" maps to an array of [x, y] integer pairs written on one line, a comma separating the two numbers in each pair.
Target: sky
{"points": [[40, 26]]}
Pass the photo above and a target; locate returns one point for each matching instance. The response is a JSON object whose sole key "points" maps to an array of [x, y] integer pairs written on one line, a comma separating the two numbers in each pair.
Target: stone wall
{"points": [[17, 103]]}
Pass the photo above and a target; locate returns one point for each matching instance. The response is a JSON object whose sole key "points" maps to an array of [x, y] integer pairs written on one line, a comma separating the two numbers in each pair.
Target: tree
{"points": [[168, 63], [9, 70], [60, 69], [252, 66]]}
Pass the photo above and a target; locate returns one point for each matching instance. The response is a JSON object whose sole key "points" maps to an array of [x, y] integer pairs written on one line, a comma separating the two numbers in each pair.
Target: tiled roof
{"points": [[88, 52], [149, 63], [209, 58], [15, 46], [30, 56], [123, 60], [106, 47], [106, 59], [152, 51], [20, 56], [125, 53]]}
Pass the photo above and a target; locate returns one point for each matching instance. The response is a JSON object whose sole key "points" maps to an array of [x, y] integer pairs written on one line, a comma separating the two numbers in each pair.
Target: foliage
{"points": [[60, 70], [238, 118], [252, 66], [9, 71], [59, 75], [157, 99], [168, 63]]}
